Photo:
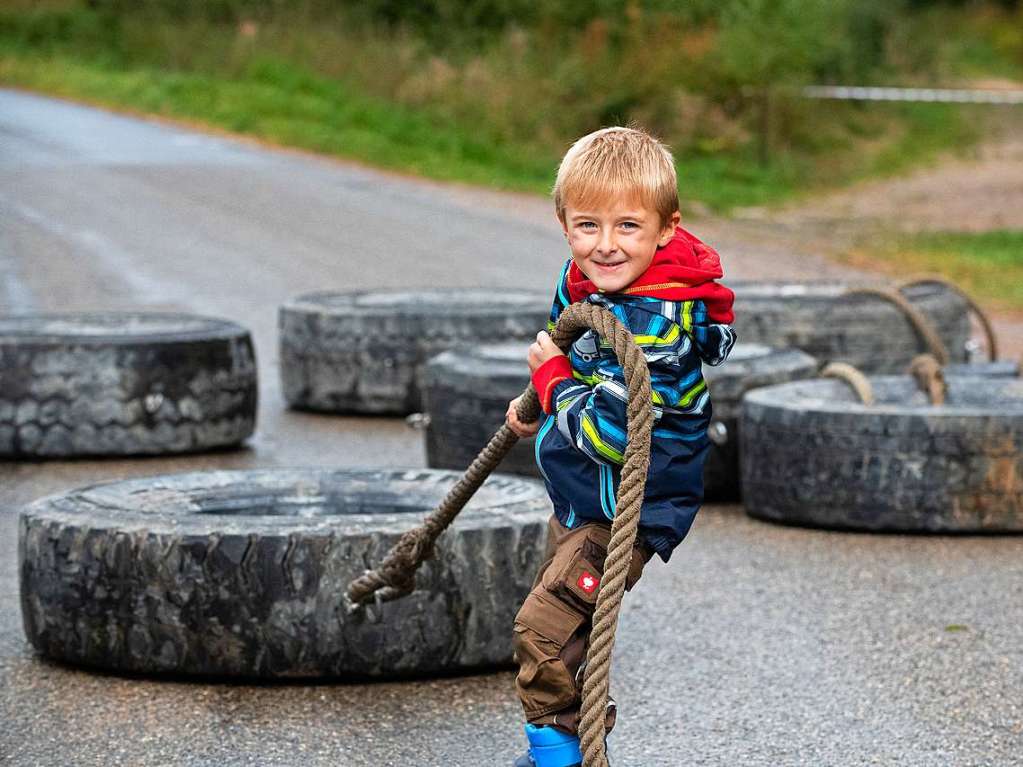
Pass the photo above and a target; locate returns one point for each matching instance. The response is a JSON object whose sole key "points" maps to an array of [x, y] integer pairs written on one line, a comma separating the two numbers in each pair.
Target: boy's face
{"points": [[613, 243]]}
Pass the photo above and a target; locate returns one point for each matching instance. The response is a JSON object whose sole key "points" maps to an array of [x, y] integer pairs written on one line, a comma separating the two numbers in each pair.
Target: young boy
{"points": [[616, 197]]}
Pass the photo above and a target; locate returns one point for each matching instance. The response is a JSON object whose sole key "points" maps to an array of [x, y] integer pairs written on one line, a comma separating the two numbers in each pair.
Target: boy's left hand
{"points": [[543, 349]]}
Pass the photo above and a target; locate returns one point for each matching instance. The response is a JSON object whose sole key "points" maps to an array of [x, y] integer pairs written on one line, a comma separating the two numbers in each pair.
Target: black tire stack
{"points": [[240, 573]]}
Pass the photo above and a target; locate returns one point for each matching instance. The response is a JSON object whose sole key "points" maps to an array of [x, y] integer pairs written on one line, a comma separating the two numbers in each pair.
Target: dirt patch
{"points": [[974, 193]]}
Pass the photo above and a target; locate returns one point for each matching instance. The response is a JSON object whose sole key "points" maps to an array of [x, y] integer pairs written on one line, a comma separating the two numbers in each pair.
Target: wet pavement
{"points": [[756, 645]]}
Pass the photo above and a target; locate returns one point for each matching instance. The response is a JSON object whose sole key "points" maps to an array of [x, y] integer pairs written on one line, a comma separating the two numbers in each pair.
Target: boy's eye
{"points": [[629, 225], [587, 225]]}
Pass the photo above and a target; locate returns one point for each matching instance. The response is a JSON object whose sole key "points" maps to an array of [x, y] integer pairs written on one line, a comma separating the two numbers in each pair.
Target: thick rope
{"points": [[596, 679], [985, 321], [916, 318], [396, 575], [852, 376], [929, 377]]}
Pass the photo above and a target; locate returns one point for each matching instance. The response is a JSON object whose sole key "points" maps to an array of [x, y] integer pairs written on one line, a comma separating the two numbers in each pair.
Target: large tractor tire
{"points": [[465, 397], [243, 574], [123, 384], [812, 454]]}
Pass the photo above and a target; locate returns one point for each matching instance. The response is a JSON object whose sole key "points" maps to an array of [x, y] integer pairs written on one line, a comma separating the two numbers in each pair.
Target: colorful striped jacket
{"points": [[580, 444]]}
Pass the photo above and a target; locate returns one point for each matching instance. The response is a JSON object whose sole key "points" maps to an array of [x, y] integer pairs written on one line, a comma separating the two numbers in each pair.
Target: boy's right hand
{"points": [[524, 430]]}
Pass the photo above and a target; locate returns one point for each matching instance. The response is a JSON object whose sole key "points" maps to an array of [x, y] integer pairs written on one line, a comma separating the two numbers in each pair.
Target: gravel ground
{"points": [[756, 645]]}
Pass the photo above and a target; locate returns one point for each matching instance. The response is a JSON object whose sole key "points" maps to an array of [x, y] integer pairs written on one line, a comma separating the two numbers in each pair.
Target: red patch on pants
{"points": [[588, 582]]}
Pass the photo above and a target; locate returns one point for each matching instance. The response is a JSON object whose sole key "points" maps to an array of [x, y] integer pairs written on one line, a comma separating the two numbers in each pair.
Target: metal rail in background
{"points": [[938, 95]]}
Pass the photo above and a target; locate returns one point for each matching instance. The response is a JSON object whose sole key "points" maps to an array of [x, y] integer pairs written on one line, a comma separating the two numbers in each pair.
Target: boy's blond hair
{"points": [[617, 163]]}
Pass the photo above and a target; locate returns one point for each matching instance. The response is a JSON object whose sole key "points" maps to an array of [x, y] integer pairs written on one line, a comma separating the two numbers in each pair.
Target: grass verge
{"points": [[497, 116], [278, 102], [988, 265]]}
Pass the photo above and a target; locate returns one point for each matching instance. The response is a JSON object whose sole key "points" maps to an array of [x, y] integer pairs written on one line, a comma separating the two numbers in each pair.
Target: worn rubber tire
{"points": [[116, 384], [865, 331], [242, 574], [467, 393], [811, 454], [750, 366], [364, 352]]}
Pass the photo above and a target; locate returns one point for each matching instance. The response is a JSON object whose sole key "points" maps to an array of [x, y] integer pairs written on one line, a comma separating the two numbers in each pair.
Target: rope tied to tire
{"points": [[929, 377], [916, 318], [396, 575], [985, 321], [925, 369], [853, 376], [921, 324]]}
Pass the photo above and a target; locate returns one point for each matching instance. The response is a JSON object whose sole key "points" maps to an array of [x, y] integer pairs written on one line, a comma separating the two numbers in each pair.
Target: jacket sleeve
{"points": [[591, 403], [713, 340], [591, 418]]}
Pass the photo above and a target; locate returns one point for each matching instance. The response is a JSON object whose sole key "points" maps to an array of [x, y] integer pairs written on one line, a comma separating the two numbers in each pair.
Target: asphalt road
{"points": [[756, 645]]}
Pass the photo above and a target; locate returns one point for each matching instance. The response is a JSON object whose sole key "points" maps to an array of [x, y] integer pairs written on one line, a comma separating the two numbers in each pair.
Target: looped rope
{"points": [[929, 377], [985, 321], [396, 575], [858, 382], [916, 318], [925, 369]]}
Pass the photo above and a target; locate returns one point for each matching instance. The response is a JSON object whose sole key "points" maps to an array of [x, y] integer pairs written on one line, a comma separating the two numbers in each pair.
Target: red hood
{"points": [[683, 270]]}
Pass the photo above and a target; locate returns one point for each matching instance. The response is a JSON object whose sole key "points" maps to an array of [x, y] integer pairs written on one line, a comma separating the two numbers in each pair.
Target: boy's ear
{"points": [[561, 223], [669, 229]]}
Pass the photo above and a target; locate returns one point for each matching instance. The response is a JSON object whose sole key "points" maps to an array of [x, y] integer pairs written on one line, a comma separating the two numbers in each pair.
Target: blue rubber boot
{"points": [[550, 747]]}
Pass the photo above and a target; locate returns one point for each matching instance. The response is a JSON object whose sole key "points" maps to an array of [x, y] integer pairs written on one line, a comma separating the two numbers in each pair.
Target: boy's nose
{"points": [[607, 243]]}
